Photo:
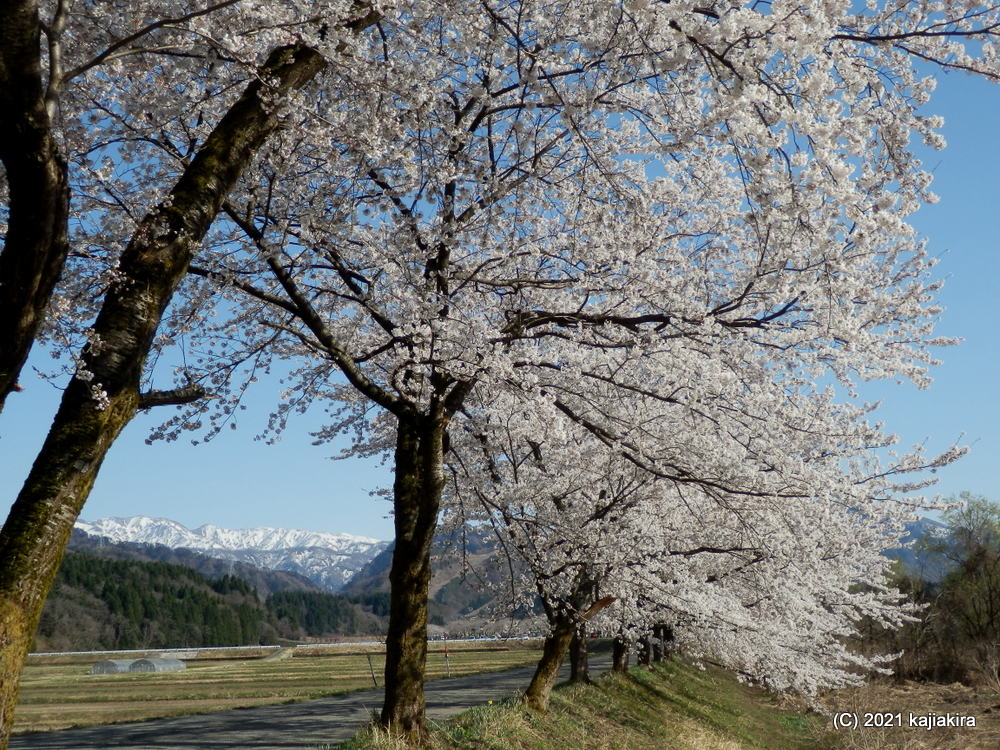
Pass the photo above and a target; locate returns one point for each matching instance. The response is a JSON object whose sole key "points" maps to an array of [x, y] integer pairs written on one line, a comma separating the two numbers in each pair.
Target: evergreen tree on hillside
{"points": [[318, 614], [150, 605], [100, 603]]}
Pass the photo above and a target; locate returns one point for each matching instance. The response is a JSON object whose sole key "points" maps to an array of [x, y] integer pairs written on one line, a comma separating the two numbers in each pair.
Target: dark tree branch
{"points": [[245, 287], [175, 396], [117, 49]]}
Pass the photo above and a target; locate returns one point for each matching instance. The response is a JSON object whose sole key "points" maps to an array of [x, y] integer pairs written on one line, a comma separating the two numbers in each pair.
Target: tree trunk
{"points": [[41, 520], [619, 655], [95, 408], [36, 245], [646, 651], [417, 491], [579, 668], [547, 672], [664, 635]]}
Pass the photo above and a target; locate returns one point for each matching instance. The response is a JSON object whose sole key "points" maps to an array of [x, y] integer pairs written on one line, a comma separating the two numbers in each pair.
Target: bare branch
{"points": [[175, 396], [145, 31]]}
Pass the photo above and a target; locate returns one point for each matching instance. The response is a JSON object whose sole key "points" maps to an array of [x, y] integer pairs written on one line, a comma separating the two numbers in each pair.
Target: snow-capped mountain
{"points": [[327, 559]]}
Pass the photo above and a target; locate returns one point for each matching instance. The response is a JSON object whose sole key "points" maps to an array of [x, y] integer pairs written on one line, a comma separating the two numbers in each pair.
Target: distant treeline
{"points": [[956, 634], [99, 603], [316, 614]]}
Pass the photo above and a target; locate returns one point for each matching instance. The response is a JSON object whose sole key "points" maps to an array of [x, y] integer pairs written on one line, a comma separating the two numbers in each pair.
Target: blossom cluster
{"points": [[635, 255]]}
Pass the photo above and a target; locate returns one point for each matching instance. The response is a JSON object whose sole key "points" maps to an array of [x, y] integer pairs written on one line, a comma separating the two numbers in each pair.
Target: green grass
{"points": [[676, 706], [60, 695]]}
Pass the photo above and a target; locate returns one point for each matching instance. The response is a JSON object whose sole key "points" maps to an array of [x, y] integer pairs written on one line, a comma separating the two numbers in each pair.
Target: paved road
{"points": [[295, 726]]}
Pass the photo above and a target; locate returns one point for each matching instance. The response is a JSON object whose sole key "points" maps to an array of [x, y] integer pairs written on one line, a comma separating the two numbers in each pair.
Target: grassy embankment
{"points": [[674, 707], [679, 707], [57, 692]]}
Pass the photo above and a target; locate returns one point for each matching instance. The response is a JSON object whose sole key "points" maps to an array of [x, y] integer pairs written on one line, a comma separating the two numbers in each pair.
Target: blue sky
{"points": [[236, 482]]}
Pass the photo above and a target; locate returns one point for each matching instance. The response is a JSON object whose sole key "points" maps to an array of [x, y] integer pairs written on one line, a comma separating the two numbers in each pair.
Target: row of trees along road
{"points": [[656, 234]]}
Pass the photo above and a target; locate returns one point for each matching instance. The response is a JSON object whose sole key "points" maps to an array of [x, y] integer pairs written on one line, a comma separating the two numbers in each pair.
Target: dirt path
{"points": [[310, 724], [281, 653]]}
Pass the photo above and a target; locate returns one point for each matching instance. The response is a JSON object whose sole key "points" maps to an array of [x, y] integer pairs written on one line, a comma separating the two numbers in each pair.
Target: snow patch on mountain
{"points": [[329, 560]]}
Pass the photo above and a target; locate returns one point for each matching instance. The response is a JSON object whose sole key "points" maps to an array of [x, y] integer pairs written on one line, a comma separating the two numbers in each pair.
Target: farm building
{"points": [[156, 665], [112, 666]]}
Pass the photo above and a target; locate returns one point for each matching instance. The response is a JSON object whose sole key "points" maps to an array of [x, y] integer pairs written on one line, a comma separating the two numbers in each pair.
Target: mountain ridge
{"points": [[265, 580], [329, 560]]}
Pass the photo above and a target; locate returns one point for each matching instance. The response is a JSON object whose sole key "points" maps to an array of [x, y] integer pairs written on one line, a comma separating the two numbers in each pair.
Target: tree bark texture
{"points": [[41, 520], [417, 489], [539, 689], [579, 666], [619, 655], [36, 244]]}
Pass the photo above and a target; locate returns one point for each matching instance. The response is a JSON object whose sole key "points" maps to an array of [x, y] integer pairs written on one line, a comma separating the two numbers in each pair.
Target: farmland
{"points": [[57, 692]]}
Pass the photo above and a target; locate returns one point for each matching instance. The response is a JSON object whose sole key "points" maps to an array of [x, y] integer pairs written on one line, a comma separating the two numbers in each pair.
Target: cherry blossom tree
{"points": [[762, 582], [588, 208], [62, 156]]}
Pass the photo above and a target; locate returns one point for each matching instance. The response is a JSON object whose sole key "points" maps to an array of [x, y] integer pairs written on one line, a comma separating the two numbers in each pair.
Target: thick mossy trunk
{"points": [[619, 655], [41, 520], [579, 665], [94, 409], [547, 672], [417, 496], [15, 637]]}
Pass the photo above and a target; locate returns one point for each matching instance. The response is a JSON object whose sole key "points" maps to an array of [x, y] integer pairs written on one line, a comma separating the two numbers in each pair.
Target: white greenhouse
{"points": [[112, 666], [156, 665]]}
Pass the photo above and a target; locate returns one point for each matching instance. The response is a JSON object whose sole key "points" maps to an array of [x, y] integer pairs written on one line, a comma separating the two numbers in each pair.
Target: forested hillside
{"points": [[100, 603], [466, 575], [469, 580], [93, 610], [265, 581]]}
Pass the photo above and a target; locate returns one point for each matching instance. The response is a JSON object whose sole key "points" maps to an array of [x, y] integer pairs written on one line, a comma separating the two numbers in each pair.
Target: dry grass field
{"points": [[919, 698], [57, 692]]}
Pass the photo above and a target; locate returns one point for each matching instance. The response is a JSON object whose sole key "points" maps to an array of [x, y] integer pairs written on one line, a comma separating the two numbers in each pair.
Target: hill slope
{"points": [[264, 581], [466, 576], [99, 603]]}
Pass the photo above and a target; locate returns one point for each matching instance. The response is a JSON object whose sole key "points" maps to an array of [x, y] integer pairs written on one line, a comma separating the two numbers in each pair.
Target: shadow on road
{"points": [[291, 726]]}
